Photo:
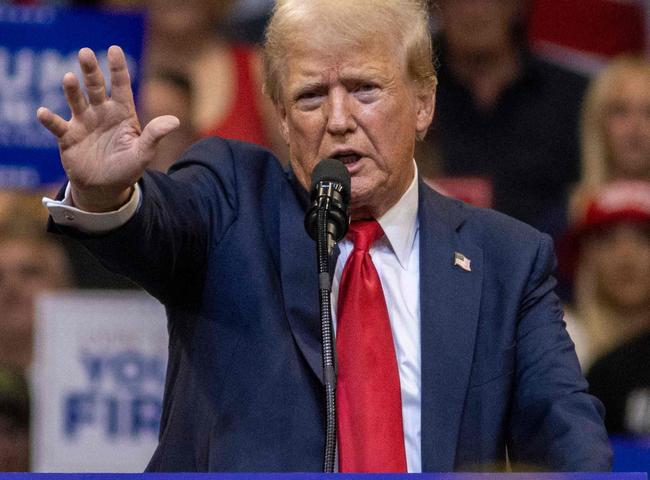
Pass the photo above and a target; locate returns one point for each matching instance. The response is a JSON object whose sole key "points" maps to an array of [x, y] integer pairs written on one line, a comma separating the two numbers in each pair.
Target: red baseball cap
{"points": [[607, 206]]}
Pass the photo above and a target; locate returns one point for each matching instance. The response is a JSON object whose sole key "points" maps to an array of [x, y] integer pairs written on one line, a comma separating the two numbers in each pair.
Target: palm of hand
{"points": [[103, 149]]}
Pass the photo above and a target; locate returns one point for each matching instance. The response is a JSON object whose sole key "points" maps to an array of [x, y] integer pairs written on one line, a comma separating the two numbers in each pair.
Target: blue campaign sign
{"points": [[38, 45], [631, 454]]}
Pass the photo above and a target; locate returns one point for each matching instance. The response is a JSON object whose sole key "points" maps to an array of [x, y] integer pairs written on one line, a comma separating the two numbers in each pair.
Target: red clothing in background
{"points": [[244, 120], [585, 33]]}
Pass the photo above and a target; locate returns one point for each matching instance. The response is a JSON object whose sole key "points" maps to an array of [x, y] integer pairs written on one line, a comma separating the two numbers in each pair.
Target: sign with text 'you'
{"points": [[38, 45], [99, 373]]}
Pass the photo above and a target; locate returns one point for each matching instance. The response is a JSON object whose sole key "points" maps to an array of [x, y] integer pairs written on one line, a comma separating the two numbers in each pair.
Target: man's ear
{"points": [[425, 103], [282, 117]]}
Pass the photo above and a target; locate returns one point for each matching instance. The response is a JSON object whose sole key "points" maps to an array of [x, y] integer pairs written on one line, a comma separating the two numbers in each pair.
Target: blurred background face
{"points": [[479, 24], [160, 96], [27, 269], [627, 127], [620, 257], [177, 19]]}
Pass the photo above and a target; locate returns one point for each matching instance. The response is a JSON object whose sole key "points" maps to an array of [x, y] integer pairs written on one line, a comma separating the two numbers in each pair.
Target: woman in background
{"points": [[616, 124], [615, 140], [187, 40], [225, 77]]}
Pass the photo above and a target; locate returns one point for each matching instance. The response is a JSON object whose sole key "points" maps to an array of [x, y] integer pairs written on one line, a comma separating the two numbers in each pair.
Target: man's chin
{"points": [[362, 204]]}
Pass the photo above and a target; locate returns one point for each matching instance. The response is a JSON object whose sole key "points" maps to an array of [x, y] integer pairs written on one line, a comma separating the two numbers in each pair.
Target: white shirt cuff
{"points": [[64, 213]]}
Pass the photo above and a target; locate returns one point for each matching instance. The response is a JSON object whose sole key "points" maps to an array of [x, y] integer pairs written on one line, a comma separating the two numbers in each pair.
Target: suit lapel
{"points": [[299, 273], [449, 306]]}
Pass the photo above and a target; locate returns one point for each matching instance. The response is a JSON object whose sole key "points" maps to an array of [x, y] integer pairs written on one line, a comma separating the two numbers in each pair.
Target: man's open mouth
{"points": [[347, 157]]}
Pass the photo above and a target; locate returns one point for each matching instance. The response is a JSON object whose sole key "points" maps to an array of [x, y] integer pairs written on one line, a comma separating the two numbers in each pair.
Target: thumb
{"points": [[155, 130]]}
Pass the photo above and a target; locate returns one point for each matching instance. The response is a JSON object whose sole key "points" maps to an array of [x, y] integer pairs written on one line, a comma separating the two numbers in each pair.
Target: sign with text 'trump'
{"points": [[38, 45]]}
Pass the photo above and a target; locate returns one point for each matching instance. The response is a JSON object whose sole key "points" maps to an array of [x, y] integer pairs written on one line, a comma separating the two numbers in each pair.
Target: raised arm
{"points": [[104, 152], [103, 148]]}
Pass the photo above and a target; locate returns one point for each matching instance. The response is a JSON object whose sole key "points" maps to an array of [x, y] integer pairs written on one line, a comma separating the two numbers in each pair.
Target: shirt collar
{"points": [[400, 223]]}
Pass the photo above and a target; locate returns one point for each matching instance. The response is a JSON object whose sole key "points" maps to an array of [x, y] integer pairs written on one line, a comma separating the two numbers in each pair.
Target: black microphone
{"points": [[330, 190], [327, 222]]}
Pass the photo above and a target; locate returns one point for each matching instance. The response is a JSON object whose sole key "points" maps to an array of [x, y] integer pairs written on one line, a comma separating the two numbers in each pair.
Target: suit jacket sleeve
{"points": [[554, 421], [164, 246]]}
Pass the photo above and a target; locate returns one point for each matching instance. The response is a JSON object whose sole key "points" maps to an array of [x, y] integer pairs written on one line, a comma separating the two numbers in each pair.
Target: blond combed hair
{"points": [[596, 157], [349, 23]]}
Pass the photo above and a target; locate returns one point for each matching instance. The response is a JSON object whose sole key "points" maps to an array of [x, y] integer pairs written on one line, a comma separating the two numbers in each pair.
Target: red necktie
{"points": [[369, 421]]}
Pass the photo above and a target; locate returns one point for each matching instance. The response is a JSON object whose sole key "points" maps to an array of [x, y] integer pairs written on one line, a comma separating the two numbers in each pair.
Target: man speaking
{"points": [[451, 345]]}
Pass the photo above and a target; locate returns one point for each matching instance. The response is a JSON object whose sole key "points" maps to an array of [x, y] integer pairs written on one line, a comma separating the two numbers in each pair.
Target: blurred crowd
{"points": [[554, 127]]}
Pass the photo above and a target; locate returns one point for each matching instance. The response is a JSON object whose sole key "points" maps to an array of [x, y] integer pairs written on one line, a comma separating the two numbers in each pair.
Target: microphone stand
{"points": [[327, 333], [327, 222]]}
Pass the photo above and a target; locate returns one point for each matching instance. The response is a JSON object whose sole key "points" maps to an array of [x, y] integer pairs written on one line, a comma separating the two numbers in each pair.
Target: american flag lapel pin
{"points": [[462, 261]]}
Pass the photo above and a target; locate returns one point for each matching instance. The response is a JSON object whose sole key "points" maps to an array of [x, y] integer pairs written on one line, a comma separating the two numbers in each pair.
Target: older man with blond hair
{"points": [[451, 344]]}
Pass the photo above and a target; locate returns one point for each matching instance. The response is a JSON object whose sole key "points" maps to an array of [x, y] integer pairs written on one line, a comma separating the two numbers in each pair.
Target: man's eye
{"points": [[366, 92], [308, 100], [366, 87], [309, 95]]}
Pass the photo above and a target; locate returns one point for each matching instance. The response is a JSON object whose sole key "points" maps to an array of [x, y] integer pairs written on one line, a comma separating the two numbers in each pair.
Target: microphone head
{"points": [[330, 190], [331, 170]]}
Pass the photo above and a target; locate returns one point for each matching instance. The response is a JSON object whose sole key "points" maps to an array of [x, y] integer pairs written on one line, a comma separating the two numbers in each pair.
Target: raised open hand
{"points": [[103, 149]]}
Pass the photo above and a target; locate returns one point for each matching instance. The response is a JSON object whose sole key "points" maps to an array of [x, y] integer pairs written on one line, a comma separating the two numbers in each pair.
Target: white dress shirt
{"points": [[396, 258]]}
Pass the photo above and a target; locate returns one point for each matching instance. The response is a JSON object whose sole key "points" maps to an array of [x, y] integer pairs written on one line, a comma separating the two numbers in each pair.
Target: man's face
{"points": [[356, 105]]}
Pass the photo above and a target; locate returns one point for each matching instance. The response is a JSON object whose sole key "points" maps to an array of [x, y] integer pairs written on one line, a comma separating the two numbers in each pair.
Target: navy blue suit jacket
{"points": [[220, 241]]}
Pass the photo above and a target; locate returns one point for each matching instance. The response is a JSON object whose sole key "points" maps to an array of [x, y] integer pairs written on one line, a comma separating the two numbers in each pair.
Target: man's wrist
{"points": [[99, 201], [64, 213]]}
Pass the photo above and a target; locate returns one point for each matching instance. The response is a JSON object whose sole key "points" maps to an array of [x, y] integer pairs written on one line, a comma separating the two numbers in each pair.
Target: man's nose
{"points": [[340, 117]]}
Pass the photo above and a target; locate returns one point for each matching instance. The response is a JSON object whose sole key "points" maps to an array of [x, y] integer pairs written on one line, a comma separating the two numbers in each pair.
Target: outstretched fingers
{"points": [[93, 77], [52, 122], [120, 80], [73, 94]]}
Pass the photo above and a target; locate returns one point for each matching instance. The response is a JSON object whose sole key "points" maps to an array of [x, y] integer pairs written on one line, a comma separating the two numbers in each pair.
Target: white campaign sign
{"points": [[98, 379]]}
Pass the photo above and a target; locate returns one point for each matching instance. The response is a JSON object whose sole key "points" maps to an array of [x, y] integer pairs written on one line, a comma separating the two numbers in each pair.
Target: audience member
{"points": [[226, 78], [621, 380], [30, 264], [168, 93], [247, 20], [20, 211], [14, 421], [607, 250], [616, 123], [503, 113]]}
